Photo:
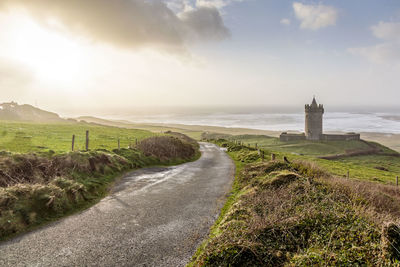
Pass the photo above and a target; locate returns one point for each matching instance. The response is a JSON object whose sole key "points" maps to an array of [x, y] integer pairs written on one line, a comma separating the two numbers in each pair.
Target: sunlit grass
{"points": [[34, 137], [367, 167]]}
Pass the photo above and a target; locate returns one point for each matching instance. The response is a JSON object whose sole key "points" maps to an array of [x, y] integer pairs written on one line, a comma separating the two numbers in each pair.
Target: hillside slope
{"points": [[14, 112], [295, 214]]}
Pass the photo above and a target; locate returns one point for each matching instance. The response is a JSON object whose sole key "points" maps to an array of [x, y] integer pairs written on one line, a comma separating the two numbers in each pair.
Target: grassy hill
{"points": [[14, 112], [297, 214], [382, 166], [304, 147], [27, 137]]}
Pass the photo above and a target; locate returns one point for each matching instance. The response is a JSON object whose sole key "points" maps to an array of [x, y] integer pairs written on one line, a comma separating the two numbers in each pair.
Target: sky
{"points": [[94, 56]]}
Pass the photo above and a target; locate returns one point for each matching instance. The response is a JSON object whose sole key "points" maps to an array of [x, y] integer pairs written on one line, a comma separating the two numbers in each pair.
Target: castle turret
{"points": [[313, 127]]}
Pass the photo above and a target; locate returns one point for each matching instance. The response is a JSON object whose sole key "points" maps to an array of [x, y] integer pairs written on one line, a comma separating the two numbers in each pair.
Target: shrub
{"points": [[166, 148], [248, 157]]}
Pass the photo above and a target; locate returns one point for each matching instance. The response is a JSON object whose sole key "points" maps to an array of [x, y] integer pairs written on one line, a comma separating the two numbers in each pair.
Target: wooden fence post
{"points": [[73, 142], [397, 180], [87, 140], [348, 174], [262, 155], [119, 144], [273, 156], [136, 142], [256, 145]]}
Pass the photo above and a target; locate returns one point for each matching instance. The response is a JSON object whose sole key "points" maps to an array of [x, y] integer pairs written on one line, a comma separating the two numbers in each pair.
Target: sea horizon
{"points": [[379, 122]]}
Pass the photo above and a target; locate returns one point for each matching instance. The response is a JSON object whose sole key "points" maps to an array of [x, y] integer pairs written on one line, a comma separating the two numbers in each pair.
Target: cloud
{"points": [[179, 6], [381, 53], [386, 52], [206, 23], [285, 21], [314, 17], [215, 3], [387, 31], [129, 23]]}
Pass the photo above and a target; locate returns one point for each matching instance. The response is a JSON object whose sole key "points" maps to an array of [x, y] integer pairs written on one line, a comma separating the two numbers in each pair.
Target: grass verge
{"points": [[40, 188], [297, 214]]}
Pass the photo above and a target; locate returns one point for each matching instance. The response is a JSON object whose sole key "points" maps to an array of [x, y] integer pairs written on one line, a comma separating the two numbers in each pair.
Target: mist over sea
{"points": [[276, 121]]}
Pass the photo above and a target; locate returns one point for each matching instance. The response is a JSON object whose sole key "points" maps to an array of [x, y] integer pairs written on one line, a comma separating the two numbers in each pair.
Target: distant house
{"points": [[314, 127]]}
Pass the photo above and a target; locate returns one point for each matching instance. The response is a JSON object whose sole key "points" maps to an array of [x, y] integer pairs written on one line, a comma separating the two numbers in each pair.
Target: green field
{"points": [[361, 167], [308, 148], [24, 137]]}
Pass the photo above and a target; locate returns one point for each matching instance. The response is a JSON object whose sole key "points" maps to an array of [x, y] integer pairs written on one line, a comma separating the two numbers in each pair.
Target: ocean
{"points": [[333, 121]]}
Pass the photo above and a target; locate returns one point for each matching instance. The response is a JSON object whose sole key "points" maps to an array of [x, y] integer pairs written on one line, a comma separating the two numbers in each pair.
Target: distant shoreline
{"points": [[391, 140], [275, 122], [391, 117]]}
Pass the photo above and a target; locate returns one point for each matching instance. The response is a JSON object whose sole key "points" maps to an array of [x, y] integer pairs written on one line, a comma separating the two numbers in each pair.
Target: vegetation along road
{"points": [[154, 217]]}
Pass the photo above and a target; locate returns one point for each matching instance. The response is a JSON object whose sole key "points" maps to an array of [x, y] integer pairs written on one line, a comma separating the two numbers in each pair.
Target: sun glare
{"points": [[52, 56]]}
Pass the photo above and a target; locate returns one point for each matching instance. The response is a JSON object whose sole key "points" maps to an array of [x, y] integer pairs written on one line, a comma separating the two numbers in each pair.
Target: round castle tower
{"points": [[314, 113]]}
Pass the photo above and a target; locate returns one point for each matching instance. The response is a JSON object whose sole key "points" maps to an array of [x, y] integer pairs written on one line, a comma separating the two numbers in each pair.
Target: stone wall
{"points": [[285, 137], [340, 137]]}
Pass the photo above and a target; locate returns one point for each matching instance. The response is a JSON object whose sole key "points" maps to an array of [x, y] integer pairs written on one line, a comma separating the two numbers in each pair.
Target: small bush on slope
{"points": [[166, 148], [296, 215]]}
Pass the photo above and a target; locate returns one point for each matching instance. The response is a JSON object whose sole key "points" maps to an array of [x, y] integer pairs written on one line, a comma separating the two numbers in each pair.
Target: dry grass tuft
{"points": [[167, 148], [34, 169], [384, 199]]}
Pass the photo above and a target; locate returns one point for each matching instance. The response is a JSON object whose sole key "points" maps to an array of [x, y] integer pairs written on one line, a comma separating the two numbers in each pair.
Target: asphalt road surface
{"points": [[154, 217]]}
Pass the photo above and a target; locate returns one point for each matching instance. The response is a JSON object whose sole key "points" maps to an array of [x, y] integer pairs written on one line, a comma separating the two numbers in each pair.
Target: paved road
{"points": [[154, 217]]}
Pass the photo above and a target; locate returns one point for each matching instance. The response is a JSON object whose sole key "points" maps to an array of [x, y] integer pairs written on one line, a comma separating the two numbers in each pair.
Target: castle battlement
{"points": [[309, 107], [314, 107]]}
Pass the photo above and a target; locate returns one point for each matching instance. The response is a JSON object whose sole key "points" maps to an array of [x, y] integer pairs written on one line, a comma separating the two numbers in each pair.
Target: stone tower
{"points": [[314, 113]]}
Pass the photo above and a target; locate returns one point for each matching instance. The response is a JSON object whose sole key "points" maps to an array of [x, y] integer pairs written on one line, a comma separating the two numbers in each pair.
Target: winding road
{"points": [[153, 217]]}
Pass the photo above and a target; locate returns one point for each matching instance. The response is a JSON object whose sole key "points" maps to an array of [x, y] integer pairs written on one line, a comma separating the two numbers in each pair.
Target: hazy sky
{"points": [[73, 55]]}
